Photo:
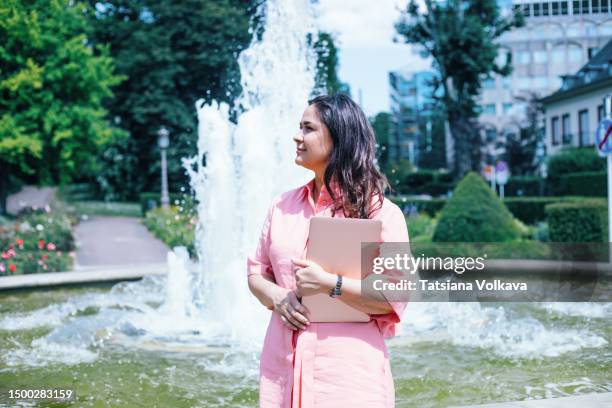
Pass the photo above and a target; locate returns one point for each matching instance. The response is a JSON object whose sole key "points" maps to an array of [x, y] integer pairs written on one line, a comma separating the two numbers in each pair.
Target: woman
{"points": [[306, 364]]}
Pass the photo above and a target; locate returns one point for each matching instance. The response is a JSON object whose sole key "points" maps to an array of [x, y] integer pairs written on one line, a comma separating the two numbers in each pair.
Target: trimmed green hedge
{"points": [[431, 207], [531, 210], [575, 160], [432, 182], [523, 186], [586, 183], [475, 214], [583, 221]]}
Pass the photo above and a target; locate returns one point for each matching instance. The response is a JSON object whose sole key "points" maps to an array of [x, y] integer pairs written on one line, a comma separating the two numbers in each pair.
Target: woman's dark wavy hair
{"points": [[353, 158]]}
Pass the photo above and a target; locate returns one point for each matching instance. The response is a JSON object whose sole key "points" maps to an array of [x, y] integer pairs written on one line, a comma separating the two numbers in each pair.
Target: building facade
{"points": [[558, 38], [411, 104], [573, 113]]}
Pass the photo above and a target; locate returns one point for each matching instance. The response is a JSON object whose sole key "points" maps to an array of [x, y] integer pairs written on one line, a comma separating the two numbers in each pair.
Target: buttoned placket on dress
{"points": [[304, 341]]}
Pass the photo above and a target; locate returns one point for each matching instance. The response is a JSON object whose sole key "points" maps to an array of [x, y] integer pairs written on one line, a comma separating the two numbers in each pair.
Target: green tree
{"points": [[381, 123], [173, 53], [460, 37], [432, 146], [521, 148], [52, 84], [327, 80]]}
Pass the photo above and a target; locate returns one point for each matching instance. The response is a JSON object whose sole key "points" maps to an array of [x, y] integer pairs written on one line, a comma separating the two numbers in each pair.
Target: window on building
{"points": [[585, 7], [488, 83], [545, 10], [600, 113], [564, 8], [489, 109], [537, 10], [540, 56], [565, 129], [555, 129], [583, 127], [525, 10], [591, 29], [605, 6], [576, 7], [507, 107], [575, 54], [555, 8], [523, 57], [558, 55], [507, 82]]}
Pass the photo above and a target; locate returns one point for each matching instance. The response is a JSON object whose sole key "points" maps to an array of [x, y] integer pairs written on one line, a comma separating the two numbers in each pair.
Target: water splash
{"points": [[500, 329], [240, 167]]}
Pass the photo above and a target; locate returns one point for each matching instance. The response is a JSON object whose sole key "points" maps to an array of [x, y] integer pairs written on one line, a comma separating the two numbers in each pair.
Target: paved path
{"points": [[116, 241], [29, 196], [600, 400]]}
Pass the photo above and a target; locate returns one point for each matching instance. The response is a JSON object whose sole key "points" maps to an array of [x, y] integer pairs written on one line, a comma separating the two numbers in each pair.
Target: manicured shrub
{"points": [[475, 214], [583, 221], [420, 225]]}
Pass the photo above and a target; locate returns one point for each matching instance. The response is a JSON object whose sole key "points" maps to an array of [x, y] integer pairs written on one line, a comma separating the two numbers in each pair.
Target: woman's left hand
{"points": [[311, 278]]}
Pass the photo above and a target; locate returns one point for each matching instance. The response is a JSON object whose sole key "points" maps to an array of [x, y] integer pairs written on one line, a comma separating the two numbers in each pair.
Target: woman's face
{"points": [[313, 142]]}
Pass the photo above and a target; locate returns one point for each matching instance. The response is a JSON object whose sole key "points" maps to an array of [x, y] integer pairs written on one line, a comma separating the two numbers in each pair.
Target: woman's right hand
{"points": [[293, 314]]}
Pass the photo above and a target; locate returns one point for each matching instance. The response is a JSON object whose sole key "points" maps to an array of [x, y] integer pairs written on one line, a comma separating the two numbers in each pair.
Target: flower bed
{"points": [[38, 241], [175, 226]]}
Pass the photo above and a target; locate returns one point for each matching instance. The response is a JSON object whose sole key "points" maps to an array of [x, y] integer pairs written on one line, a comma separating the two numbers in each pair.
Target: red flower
{"points": [[11, 246], [10, 253], [50, 246], [5, 255], [12, 268], [41, 244], [44, 257], [20, 243]]}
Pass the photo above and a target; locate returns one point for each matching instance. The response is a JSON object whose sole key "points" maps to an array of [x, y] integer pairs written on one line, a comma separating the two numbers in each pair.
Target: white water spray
{"points": [[247, 164]]}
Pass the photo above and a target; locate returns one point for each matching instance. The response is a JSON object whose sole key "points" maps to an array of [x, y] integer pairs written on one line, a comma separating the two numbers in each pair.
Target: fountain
{"points": [[192, 338]]}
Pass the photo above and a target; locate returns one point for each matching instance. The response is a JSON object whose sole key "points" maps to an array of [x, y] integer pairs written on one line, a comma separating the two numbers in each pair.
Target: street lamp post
{"points": [[164, 141]]}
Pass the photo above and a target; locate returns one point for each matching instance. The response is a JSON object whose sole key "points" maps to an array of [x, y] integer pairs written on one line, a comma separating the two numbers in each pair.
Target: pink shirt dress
{"points": [[327, 364]]}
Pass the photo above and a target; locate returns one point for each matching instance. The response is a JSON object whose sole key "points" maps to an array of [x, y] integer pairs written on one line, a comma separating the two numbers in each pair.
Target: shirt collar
{"points": [[324, 194]]}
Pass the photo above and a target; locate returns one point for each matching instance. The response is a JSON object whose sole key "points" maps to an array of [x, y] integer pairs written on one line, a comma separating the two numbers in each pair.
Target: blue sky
{"points": [[364, 35]]}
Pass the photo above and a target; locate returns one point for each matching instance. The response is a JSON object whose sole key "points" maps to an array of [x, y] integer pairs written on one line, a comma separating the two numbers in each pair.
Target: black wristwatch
{"points": [[335, 292]]}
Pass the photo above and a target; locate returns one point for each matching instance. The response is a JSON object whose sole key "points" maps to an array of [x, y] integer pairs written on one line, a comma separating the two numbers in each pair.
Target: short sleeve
{"points": [[394, 229], [258, 263]]}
